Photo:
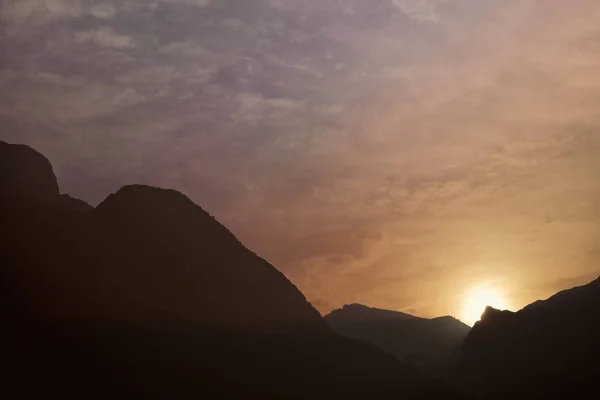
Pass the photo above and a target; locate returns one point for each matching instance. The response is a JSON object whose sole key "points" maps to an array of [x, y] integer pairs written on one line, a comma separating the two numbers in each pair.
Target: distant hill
{"points": [[148, 296], [549, 349], [412, 339]]}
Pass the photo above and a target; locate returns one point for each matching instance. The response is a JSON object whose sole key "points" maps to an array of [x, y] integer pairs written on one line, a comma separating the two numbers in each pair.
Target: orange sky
{"points": [[394, 154]]}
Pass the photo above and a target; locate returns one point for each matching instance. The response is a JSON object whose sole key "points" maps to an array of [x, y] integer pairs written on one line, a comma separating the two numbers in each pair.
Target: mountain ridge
{"points": [[375, 311], [164, 218], [149, 296], [547, 349], [418, 341]]}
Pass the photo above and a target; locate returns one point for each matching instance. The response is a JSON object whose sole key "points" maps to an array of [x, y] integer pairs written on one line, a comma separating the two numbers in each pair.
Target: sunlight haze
{"points": [[478, 299]]}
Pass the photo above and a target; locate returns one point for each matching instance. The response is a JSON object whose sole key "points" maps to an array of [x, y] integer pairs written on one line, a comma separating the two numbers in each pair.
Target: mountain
{"points": [[179, 248], [150, 252], [548, 349], [147, 295], [412, 339], [26, 173]]}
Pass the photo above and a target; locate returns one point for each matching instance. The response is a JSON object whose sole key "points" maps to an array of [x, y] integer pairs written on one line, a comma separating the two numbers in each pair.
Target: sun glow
{"points": [[478, 298]]}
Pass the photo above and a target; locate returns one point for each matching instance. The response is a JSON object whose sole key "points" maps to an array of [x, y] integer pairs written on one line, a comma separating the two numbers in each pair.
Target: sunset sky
{"points": [[395, 153]]}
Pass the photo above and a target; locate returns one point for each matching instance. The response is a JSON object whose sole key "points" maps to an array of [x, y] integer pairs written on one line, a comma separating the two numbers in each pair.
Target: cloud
{"points": [[20, 11], [197, 3], [105, 36], [421, 10], [373, 148], [44, 97], [104, 11]]}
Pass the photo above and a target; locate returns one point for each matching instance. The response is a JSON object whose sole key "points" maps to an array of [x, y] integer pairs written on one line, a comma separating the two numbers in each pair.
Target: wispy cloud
{"points": [[385, 152]]}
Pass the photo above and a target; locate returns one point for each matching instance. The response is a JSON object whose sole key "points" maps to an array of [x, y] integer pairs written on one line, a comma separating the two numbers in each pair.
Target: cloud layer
{"points": [[391, 152]]}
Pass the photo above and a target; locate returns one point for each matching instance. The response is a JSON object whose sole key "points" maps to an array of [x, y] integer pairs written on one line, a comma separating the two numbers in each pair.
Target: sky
{"points": [[394, 153]]}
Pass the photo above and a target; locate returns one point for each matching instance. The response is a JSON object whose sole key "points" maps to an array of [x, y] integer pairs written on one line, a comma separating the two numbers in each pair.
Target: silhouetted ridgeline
{"points": [[147, 296], [549, 349], [419, 341]]}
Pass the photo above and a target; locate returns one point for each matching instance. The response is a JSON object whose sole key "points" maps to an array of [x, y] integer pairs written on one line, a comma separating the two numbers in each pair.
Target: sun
{"points": [[478, 298]]}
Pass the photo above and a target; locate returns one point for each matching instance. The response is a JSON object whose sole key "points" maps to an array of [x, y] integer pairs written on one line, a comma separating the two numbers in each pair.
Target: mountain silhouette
{"points": [[412, 339], [26, 173], [548, 349], [147, 295], [179, 248]]}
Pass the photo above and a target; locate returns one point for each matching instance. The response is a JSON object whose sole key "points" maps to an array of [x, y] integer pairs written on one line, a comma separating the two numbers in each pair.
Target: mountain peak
{"points": [[26, 173], [490, 310], [447, 318], [193, 267], [152, 205], [361, 312], [357, 307], [27, 177], [146, 197], [493, 315]]}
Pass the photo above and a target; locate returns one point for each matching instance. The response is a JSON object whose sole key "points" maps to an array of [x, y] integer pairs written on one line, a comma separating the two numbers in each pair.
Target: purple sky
{"points": [[389, 152]]}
